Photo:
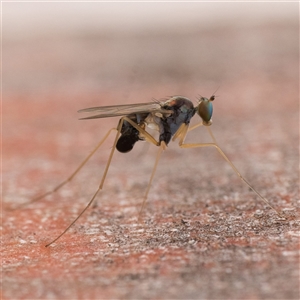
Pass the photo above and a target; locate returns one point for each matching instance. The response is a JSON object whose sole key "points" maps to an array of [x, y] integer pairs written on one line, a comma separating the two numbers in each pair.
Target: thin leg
{"points": [[148, 138], [195, 126], [89, 204], [100, 185], [162, 147], [73, 174], [180, 132], [215, 145]]}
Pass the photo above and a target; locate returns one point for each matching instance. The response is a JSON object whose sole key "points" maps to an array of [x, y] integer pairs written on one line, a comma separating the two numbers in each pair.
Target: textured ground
{"points": [[203, 235]]}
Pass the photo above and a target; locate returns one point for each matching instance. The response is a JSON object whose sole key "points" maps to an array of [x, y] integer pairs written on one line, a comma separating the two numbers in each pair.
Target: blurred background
{"points": [[124, 47], [59, 57]]}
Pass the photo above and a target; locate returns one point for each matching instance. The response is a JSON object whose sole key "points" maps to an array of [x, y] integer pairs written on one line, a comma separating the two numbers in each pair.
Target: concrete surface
{"points": [[204, 234]]}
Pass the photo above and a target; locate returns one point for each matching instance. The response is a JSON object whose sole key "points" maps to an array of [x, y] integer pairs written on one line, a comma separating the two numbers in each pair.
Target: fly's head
{"points": [[205, 109]]}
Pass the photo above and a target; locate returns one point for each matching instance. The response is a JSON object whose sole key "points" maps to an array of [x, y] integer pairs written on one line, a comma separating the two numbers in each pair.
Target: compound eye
{"points": [[205, 110]]}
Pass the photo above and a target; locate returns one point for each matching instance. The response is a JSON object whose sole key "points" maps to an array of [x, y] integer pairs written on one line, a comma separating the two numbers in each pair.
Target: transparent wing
{"points": [[123, 110]]}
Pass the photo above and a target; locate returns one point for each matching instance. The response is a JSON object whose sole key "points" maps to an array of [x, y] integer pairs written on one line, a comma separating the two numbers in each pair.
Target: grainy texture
{"points": [[203, 234]]}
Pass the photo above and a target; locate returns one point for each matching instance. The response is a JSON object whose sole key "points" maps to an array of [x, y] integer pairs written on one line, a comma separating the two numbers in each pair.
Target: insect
{"points": [[170, 118]]}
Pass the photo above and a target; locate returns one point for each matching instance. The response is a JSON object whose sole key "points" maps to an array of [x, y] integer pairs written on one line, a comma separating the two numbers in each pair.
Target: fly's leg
{"points": [[195, 126], [101, 183], [72, 175], [162, 147], [216, 146], [181, 131], [147, 136]]}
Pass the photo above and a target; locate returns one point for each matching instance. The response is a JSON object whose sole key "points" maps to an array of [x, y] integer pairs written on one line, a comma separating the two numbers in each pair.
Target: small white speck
{"points": [[95, 225], [288, 209], [92, 231], [294, 233], [290, 253]]}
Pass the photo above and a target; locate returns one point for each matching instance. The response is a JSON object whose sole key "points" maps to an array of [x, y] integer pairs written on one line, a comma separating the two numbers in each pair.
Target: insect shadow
{"points": [[171, 118]]}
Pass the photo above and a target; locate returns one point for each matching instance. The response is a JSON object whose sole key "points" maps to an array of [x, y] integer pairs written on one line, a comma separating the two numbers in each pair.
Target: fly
{"points": [[171, 118]]}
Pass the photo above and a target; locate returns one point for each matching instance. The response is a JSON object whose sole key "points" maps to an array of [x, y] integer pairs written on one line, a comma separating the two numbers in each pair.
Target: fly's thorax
{"points": [[153, 121], [205, 110], [178, 103], [182, 111]]}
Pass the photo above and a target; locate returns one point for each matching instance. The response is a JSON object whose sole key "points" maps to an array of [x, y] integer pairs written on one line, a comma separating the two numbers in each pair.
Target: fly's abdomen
{"points": [[129, 136], [126, 142]]}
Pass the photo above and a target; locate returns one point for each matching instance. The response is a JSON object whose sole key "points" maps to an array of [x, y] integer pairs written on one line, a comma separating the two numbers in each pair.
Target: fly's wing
{"points": [[123, 110]]}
